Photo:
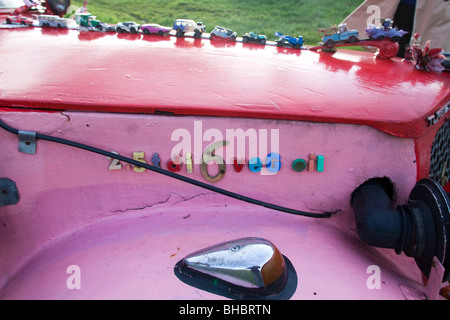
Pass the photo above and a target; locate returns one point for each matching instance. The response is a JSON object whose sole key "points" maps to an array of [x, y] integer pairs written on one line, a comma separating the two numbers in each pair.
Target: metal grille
{"points": [[440, 153]]}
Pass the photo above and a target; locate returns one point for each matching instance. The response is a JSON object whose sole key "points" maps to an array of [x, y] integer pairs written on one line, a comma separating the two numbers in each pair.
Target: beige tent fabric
{"points": [[432, 19]]}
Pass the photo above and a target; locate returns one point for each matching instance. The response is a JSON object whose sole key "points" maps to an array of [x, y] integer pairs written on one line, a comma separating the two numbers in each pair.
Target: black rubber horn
{"points": [[420, 228]]}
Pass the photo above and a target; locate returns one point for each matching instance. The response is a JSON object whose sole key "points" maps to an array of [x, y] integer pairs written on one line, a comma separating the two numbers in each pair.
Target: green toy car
{"points": [[254, 37]]}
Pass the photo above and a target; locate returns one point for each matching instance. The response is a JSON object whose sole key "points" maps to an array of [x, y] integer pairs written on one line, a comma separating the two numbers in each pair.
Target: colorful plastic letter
{"points": [[273, 162], [208, 156], [156, 160], [254, 164], [312, 162], [189, 162], [238, 165], [320, 163], [299, 165], [139, 156], [174, 164]]}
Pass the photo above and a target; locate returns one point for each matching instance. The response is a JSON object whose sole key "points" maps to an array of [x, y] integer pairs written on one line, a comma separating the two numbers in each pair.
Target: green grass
{"points": [[290, 17]]}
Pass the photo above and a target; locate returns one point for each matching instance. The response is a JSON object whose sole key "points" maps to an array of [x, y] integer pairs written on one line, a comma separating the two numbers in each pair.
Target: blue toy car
{"points": [[343, 35], [289, 41], [384, 31]]}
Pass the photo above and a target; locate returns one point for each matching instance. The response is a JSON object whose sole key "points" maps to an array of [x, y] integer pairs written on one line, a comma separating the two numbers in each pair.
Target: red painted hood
{"points": [[108, 72]]}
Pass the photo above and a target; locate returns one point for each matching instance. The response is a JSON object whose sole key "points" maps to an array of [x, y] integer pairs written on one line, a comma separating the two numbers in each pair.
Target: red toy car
{"points": [[19, 20]]}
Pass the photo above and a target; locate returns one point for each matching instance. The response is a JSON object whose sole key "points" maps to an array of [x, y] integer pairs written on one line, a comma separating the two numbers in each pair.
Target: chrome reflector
{"points": [[243, 268]]}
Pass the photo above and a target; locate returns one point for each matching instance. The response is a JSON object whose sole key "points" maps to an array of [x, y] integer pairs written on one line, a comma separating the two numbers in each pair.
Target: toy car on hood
{"points": [[385, 30], [343, 35], [52, 21], [155, 28], [129, 26], [223, 33], [254, 37], [22, 20], [288, 40], [89, 22], [181, 26]]}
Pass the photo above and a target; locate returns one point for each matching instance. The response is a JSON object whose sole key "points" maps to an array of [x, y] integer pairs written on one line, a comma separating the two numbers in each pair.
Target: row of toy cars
{"points": [[332, 36], [43, 20]]}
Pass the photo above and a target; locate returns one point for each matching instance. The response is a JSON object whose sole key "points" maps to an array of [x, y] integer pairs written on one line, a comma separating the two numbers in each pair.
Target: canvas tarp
{"points": [[431, 19]]}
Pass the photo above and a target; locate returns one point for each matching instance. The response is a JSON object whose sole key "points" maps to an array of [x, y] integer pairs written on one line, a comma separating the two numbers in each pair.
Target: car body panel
{"points": [[347, 117], [285, 96]]}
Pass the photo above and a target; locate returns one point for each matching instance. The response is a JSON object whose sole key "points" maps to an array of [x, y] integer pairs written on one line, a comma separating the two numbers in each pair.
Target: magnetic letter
{"points": [[156, 160], [238, 165], [254, 164], [320, 163], [174, 164], [311, 162], [299, 165], [139, 156], [189, 162], [273, 162], [208, 156]]}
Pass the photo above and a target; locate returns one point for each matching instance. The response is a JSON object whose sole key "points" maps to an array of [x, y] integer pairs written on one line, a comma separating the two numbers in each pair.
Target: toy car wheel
{"points": [[146, 31], [99, 28], [245, 39], [161, 33], [8, 21], [197, 34], [263, 41], [233, 38], [212, 36], [133, 30], [330, 43], [180, 33], [353, 39]]}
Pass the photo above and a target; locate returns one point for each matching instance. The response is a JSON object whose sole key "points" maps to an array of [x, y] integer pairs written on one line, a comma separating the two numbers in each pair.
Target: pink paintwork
{"points": [[75, 211], [126, 230]]}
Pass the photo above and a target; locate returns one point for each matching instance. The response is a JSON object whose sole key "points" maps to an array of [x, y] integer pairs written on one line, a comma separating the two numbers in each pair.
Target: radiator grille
{"points": [[440, 153]]}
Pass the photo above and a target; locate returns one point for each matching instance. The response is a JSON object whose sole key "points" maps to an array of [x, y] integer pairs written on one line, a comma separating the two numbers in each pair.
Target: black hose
{"points": [[419, 228], [404, 228], [173, 175], [378, 223]]}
